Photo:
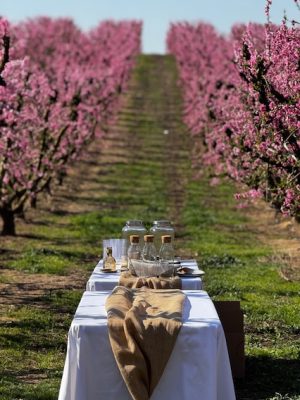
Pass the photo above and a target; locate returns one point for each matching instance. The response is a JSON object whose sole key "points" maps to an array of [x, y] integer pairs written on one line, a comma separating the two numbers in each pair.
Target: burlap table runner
{"points": [[143, 325], [130, 281]]}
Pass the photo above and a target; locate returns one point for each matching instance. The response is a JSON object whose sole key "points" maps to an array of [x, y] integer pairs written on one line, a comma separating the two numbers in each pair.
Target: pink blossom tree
{"points": [[55, 100], [241, 96]]}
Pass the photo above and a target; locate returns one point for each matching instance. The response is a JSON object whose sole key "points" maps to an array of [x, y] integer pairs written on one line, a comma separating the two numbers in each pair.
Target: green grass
{"points": [[42, 261], [33, 339], [237, 268], [33, 332]]}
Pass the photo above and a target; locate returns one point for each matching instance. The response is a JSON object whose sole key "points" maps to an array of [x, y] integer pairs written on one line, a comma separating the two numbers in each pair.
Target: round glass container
{"points": [[159, 229], [134, 227]]}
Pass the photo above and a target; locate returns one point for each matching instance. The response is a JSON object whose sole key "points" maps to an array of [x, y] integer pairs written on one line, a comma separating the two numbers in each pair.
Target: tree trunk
{"points": [[33, 202], [8, 218], [20, 212]]}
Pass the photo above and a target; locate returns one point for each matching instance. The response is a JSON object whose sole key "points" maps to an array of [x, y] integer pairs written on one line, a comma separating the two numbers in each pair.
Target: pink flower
{"points": [[60, 86], [241, 104]]}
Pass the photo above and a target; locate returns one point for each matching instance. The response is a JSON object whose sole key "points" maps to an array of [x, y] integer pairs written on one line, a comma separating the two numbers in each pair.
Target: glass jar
{"points": [[134, 251], [159, 229], [149, 252], [134, 227], [166, 251]]}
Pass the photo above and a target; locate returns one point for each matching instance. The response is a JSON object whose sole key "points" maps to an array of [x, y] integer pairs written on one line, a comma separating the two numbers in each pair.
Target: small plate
{"points": [[191, 274], [108, 271]]}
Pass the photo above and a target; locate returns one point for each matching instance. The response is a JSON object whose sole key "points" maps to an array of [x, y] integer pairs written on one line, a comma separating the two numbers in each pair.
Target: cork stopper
{"points": [[134, 239], [109, 251], [149, 238], [166, 239]]}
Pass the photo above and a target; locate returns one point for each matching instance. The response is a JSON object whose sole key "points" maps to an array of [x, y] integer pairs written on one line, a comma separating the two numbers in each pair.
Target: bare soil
{"points": [[281, 233]]}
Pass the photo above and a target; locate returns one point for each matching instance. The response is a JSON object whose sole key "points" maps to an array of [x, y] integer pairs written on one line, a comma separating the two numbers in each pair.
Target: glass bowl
{"points": [[152, 268]]}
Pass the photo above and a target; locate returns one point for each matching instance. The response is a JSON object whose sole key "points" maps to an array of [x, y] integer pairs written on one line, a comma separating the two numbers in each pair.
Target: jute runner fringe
{"points": [[130, 281]]}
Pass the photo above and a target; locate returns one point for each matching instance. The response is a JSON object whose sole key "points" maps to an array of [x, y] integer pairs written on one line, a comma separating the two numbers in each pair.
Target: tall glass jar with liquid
{"points": [[161, 228], [133, 227]]}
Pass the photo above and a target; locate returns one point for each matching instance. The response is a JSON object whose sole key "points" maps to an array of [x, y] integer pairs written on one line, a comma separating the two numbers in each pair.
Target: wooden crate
{"points": [[232, 319]]}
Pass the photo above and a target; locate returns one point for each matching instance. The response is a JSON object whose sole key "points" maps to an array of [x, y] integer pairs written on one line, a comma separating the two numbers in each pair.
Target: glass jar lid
{"points": [[134, 222], [162, 222]]}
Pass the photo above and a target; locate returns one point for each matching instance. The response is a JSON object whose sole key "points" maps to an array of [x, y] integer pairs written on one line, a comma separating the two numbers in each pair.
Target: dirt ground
{"points": [[281, 233]]}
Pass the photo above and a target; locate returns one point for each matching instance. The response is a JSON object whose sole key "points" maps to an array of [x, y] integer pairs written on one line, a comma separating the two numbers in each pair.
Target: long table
{"points": [[198, 368], [99, 281]]}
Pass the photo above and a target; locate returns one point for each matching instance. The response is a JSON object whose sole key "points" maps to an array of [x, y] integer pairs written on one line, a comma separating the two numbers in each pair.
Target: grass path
{"points": [[141, 170]]}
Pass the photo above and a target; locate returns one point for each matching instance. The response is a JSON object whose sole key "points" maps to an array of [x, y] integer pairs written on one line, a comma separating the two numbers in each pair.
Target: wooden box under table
{"points": [[232, 319]]}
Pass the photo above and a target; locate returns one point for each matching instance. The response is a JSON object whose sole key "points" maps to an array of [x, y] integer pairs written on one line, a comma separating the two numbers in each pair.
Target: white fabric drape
{"points": [[100, 281], [198, 368]]}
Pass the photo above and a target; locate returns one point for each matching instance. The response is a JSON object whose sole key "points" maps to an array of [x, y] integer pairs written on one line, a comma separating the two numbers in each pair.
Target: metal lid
{"points": [[134, 222], [162, 222]]}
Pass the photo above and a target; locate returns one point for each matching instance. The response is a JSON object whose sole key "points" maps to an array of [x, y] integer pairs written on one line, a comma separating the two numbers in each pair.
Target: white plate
{"points": [[191, 274], [108, 271]]}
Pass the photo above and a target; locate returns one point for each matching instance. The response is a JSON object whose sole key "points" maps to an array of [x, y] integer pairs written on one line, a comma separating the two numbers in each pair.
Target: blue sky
{"points": [[156, 14]]}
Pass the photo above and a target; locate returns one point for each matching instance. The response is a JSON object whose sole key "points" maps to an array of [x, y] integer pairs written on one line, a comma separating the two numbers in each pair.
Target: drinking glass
{"points": [[118, 248]]}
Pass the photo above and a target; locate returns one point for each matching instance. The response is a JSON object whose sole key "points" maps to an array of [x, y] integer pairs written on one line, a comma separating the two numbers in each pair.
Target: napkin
{"points": [[143, 325], [130, 281]]}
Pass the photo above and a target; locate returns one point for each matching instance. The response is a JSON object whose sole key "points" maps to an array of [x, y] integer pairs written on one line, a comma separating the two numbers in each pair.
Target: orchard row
{"points": [[242, 104], [59, 89]]}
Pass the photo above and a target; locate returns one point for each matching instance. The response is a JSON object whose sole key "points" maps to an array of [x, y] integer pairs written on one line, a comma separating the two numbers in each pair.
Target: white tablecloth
{"points": [[99, 281], [198, 368]]}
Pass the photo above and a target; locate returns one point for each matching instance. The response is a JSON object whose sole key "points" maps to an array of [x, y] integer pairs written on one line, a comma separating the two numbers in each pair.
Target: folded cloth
{"points": [[143, 325], [130, 281]]}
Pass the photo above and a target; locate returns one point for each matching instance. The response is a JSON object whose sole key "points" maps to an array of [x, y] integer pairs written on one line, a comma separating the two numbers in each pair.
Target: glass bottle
{"points": [[149, 252], [109, 261], [134, 251], [134, 227], [159, 229], [166, 251]]}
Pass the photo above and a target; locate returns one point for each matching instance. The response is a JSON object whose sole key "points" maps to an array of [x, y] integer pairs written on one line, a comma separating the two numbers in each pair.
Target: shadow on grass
{"points": [[14, 376], [15, 386], [31, 236], [44, 343], [268, 378], [7, 252]]}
